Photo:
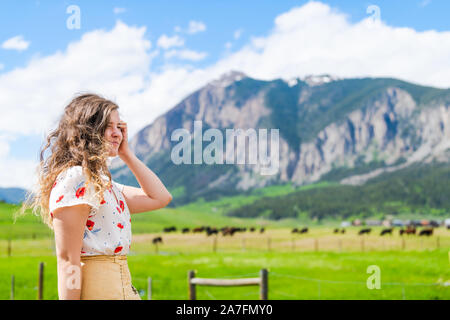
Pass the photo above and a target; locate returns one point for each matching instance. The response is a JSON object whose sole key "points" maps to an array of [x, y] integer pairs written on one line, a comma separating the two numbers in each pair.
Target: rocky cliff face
{"points": [[393, 124]]}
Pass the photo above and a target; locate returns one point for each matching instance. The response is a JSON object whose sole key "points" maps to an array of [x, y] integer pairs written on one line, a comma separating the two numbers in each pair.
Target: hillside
{"points": [[421, 189]]}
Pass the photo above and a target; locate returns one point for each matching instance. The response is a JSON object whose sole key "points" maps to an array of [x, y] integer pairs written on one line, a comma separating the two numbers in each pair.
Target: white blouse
{"points": [[108, 228]]}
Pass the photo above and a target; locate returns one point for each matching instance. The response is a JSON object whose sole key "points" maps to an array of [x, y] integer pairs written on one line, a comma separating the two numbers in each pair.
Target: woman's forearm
{"points": [[69, 280], [147, 179]]}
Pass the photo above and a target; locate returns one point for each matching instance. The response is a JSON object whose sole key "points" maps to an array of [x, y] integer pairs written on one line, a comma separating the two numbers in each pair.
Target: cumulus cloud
{"points": [[195, 27], [16, 43], [185, 54], [237, 34], [166, 42], [118, 10]]}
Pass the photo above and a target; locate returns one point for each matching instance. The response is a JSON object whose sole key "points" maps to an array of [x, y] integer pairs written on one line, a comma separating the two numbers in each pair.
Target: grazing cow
{"points": [[336, 230], [343, 231], [185, 230], [210, 231], [426, 232], [295, 230], [229, 231], [410, 230], [156, 240], [304, 230], [261, 230], [198, 229], [362, 231], [170, 229], [386, 231], [252, 229]]}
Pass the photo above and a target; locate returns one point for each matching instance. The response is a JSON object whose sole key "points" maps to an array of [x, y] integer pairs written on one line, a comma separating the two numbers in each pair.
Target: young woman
{"points": [[88, 211]]}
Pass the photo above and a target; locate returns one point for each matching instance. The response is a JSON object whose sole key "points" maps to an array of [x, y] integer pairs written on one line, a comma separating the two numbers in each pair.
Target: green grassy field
{"points": [[316, 265]]}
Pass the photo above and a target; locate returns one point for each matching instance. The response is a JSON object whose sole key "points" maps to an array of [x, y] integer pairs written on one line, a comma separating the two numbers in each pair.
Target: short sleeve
{"points": [[119, 186], [70, 189]]}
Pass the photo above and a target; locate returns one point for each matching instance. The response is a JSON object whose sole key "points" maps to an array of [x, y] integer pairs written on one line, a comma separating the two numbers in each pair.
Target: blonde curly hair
{"points": [[77, 141]]}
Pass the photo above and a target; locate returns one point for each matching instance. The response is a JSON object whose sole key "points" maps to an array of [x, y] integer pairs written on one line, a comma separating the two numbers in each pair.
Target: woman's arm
{"points": [[153, 194], [68, 225]]}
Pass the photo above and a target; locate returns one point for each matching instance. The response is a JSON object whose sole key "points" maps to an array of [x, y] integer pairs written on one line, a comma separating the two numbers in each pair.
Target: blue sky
{"points": [[239, 35]]}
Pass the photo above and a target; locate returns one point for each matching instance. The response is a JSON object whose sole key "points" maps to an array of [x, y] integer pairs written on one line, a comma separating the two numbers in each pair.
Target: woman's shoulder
{"points": [[71, 172]]}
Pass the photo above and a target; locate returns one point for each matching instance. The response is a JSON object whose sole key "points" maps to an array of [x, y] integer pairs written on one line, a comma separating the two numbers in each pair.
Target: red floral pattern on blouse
{"points": [[80, 192]]}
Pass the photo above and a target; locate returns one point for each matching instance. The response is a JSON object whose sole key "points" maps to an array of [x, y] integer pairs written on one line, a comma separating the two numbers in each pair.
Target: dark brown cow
{"points": [[363, 231], [304, 230], [386, 231], [156, 240], [426, 232], [170, 229]]}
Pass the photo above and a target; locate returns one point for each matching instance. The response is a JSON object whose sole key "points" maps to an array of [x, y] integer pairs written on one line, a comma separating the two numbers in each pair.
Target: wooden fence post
{"points": [[264, 286], [9, 247], [41, 281], [191, 275], [149, 288], [215, 244], [12, 287]]}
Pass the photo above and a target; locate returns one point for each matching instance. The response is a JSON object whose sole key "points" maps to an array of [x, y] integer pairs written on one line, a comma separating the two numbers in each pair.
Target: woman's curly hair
{"points": [[77, 141]]}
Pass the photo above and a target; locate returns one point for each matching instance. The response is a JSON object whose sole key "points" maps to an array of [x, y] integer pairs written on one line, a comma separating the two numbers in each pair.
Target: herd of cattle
{"points": [[232, 230], [212, 230], [229, 231], [410, 230]]}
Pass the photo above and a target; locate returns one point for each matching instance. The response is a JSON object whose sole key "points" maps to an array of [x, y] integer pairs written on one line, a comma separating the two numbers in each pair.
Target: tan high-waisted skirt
{"points": [[106, 278]]}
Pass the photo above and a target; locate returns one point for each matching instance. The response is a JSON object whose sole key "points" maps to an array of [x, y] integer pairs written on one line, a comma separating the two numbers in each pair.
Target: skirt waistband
{"points": [[116, 258]]}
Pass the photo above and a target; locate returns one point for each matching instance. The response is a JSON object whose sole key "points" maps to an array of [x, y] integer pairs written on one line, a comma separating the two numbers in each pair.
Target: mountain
{"points": [[346, 130], [12, 195]]}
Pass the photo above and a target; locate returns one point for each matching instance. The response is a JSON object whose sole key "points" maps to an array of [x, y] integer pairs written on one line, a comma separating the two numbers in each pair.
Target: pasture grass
{"points": [[420, 271]]}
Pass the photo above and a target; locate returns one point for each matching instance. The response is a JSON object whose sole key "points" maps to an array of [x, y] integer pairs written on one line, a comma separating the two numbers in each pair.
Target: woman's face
{"points": [[113, 133]]}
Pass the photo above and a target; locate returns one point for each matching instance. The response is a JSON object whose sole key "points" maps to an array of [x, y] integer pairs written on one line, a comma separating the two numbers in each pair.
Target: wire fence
{"points": [[319, 283]]}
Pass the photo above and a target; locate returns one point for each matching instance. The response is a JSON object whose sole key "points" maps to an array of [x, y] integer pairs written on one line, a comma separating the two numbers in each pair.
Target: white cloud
{"points": [[15, 172], [185, 54], [424, 3], [228, 45], [166, 42], [195, 27], [16, 43], [118, 10], [237, 34]]}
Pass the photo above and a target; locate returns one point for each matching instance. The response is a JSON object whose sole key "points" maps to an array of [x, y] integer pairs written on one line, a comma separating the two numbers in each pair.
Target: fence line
{"points": [[356, 282]]}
